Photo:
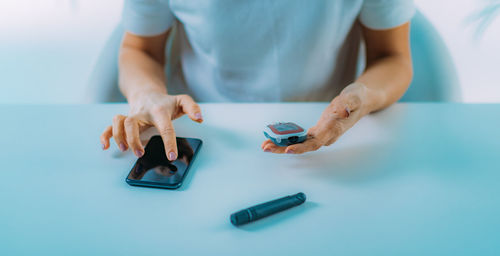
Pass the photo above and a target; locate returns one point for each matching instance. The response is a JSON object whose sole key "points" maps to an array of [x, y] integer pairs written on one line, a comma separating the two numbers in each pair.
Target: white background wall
{"points": [[48, 48], [477, 59]]}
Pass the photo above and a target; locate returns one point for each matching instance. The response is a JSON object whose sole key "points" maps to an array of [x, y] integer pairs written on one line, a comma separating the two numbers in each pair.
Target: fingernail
{"points": [[122, 147], [103, 146], [139, 153], [198, 116], [267, 150], [289, 151], [171, 156]]}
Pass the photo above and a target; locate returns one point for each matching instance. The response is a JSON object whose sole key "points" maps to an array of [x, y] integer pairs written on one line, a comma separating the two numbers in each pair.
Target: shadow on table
{"points": [[353, 164], [279, 218], [440, 158]]}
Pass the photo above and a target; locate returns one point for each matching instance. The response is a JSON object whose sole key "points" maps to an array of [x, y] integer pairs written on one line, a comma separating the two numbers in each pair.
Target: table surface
{"points": [[414, 179]]}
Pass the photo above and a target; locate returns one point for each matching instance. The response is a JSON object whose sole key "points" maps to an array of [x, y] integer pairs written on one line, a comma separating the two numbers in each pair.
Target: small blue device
{"points": [[285, 134]]}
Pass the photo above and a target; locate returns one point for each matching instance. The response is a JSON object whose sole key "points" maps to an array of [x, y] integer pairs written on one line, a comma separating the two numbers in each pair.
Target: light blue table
{"points": [[415, 179]]}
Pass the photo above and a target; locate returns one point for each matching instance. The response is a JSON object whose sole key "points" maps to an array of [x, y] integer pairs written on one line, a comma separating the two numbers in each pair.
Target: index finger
{"points": [[164, 125], [273, 148], [311, 144]]}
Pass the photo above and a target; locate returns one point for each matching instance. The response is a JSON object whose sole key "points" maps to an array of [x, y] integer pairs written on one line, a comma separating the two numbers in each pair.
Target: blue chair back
{"points": [[434, 74]]}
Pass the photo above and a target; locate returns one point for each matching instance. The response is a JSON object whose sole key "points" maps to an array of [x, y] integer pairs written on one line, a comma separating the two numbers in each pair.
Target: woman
{"points": [[279, 50]]}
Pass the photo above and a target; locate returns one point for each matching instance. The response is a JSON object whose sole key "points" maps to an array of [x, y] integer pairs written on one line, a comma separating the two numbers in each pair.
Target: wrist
{"points": [[138, 96], [370, 99]]}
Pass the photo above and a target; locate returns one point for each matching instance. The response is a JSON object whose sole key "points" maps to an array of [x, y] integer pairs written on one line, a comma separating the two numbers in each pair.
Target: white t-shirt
{"points": [[262, 50]]}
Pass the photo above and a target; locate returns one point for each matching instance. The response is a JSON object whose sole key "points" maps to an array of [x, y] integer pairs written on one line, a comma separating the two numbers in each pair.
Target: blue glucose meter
{"points": [[285, 134]]}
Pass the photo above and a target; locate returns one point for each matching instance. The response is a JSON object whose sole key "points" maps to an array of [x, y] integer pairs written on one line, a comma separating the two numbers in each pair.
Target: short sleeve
{"points": [[147, 17], [386, 14]]}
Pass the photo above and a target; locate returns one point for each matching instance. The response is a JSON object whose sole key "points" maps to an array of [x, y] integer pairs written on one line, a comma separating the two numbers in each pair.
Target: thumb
{"points": [[191, 108], [346, 104]]}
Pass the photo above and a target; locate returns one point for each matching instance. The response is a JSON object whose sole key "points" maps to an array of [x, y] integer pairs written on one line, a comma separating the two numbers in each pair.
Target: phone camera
{"points": [[172, 168]]}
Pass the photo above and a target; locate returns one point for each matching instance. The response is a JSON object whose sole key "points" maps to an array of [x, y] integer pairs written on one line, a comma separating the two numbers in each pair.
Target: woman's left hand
{"points": [[340, 115]]}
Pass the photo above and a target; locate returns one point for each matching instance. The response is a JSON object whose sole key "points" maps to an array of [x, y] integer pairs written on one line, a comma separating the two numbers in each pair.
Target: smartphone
{"points": [[153, 169]]}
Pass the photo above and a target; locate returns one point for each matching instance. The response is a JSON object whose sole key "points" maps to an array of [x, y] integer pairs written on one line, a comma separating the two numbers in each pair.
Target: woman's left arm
{"points": [[386, 78]]}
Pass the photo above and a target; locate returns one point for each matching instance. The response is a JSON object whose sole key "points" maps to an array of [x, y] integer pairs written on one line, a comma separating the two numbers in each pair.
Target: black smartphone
{"points": [[153, 169]]}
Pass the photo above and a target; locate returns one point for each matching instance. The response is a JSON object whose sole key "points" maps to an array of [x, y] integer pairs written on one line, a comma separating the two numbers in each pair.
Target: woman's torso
{"points": [[280, 50]]}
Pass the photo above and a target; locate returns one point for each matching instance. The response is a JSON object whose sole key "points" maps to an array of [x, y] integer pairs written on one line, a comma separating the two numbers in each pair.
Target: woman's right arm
{"points": [[142, 81], [141, 65]]}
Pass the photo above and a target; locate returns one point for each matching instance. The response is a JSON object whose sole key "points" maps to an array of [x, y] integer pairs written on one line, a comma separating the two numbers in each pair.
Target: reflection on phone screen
{"points": [[154, 167]]}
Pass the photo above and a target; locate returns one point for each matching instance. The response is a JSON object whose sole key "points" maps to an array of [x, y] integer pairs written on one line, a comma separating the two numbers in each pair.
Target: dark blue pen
{"points": [[263, 210]]}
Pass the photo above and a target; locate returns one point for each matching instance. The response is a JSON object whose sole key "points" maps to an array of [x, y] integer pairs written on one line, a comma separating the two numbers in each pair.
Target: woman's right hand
{"points": [[147, 110]]}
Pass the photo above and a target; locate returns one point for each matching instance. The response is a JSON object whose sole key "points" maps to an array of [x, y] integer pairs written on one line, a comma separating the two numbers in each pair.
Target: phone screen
{"points": [[153, 169]]}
